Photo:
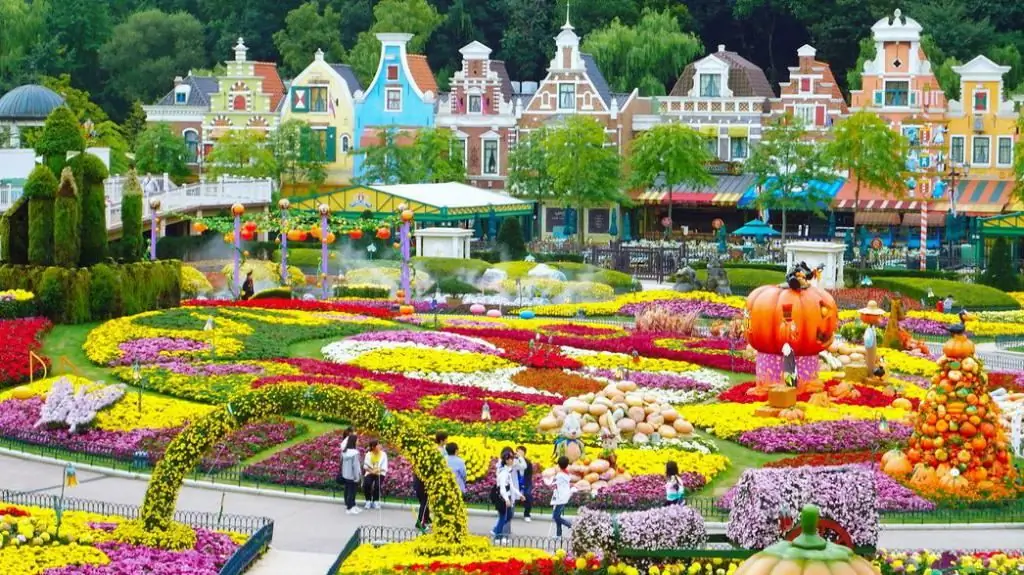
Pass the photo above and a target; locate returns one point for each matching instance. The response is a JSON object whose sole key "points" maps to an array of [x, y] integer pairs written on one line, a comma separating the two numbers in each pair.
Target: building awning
{"points": [[871, 199], [825, 188], [876, 219], [739, 131], [708, 130], [726, 191], [935, 219], [979, 197], [449, 201]]}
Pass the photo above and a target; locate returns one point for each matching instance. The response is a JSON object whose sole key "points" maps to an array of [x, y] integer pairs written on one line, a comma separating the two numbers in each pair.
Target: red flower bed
{"points": [[541, 356], [17, 338], [1012, 382], [641, 343], [573, 329], [13, 512], [869, 396], [469, 410], [826, 459], [297, 304], [545, 566], [856, 298]]}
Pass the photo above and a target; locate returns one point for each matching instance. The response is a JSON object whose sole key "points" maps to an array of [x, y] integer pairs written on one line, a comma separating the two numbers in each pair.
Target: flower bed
{"points": [[825, 437], [867, 396], [18, 337], [663, 528], [728, 420], [17, 303]]}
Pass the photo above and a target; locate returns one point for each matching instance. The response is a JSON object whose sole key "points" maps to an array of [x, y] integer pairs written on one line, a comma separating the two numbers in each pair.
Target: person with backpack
{"points": [[505, 493], [351, 474]]}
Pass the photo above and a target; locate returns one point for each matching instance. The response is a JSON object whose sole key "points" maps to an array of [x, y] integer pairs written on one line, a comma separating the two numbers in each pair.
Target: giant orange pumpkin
{"points": [[958, 346], [806, 319]]}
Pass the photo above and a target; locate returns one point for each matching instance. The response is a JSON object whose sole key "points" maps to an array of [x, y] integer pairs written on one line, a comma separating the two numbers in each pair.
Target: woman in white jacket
{"points": [[507, 487], [350, 474], [375, 467]]}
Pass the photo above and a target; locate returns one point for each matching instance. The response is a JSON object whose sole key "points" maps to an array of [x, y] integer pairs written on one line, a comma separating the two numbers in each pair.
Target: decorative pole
{"points": [[154, 206], [406, 215], [237, 210], [283, 205], [325, 211], [924, 224]]}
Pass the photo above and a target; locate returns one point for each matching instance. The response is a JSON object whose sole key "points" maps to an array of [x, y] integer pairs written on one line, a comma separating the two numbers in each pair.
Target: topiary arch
{"points": [[365, 412]]}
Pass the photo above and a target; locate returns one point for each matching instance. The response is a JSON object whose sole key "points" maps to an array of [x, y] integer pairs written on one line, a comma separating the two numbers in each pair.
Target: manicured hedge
{"points": [[66, 216], [853, 275], [441, 267], [970, 296], [89, 175], [367, 292], [81, 295], [41, 188], [14, 233], [743, 280], [131, 245], [274, 293]]}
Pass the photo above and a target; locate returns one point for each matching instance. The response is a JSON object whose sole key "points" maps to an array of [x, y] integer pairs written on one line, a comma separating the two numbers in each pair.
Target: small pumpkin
{"points": [[923, 475], [958, 347], [902, 403], [792, 414], [808, 554], [806, 319], [953, 481]]}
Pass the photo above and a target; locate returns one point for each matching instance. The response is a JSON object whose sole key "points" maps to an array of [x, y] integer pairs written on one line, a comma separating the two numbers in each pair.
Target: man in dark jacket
{"points": [[525, 468]]}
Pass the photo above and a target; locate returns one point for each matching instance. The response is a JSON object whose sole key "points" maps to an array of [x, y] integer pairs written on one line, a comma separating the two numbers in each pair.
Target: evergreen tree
{"points": [[40, 189], [134, 124], [511, 245], [61, 134], [66, 221], [131, 220], [999, 272], [89, 175]]}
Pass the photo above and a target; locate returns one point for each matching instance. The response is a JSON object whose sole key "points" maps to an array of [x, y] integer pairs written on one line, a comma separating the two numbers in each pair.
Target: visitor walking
{"points": [[457, 465], [247, 287], [423, 514], [674, 489], [947, 305], [505, 493], [375, 467], [350, 474], [524, 469], [563, 490]]}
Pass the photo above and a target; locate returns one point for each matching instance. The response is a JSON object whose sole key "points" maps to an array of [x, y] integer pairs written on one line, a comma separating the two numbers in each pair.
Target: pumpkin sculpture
{"points": [[808, 553]]}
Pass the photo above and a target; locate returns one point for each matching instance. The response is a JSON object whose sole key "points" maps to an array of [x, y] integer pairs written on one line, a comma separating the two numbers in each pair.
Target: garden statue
{"points": [[568, 442], [720, 235], [718, 279], [892, 338], [870, 349], [686, 280]]}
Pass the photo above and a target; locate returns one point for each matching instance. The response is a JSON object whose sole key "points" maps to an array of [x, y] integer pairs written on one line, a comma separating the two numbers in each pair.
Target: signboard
{"points": [[553, 218], [598, 220]]}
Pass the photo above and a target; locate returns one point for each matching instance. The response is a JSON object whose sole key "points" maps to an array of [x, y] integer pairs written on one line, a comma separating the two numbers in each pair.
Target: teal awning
{"points": [[826, 188]]}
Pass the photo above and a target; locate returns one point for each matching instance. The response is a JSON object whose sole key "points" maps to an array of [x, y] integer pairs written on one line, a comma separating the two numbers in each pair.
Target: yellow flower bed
{"points": [[1017, 295], [157, 413], [102, 344], [193, 282], [406, 359], [368, 558], [988, 323], [17, 295], [608, 360], [897, 361], [652, 461], [612, 307], [727, 420]]}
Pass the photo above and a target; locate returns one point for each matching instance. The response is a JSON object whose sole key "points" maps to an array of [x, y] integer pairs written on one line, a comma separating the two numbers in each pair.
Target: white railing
{"points": [[689, 105], [8, 195], [190, 198]]}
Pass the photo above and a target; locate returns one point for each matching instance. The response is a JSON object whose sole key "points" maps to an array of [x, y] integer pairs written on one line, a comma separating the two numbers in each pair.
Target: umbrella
{"points": [[627, 233], [613, 227], [477, 228], [492, 224], [755, 228]]}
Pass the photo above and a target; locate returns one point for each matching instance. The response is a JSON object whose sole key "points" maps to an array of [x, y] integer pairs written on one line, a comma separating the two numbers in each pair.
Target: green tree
{"points": [[134, 124], [242, 153], [871, 153], [526, 44], [356, 16], [528, 166], [647, 56], [79, 101], [510, 241], [161, 151], [306, 31], [17, 41], [432, 157], [61, 134], [75, 31], [40, 189], [387, 162], [999, 272], [786, 163], [668, 156], [584, 171], [132, 243], [107, 134], [586, 17], [147, 49], [415, 17], [295, 157], [67, 216], [89, 175]]}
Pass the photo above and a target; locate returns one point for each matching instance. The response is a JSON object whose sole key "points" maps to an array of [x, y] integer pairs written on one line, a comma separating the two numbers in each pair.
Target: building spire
{"points": [[567, 25]]}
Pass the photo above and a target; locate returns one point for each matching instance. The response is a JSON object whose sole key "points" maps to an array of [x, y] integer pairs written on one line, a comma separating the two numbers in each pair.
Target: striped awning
{"points": [[649, 197], [871, 199], [829, 188], [979, 197], [726, 191], [877, 219]]}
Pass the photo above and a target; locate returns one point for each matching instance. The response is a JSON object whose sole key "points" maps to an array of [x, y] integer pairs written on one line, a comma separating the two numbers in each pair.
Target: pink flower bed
{"points": [[469, 410], [211, 552]]}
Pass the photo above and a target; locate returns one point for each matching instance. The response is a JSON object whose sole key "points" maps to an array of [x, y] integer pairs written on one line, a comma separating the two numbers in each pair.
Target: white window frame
{"points": [[885, 91], [199, 144], [346, 143], [479, 103], [700, 85], [963, 150], [801, 110], [483, 157], [465, 150], [387, 100], [999, 142], [746, 146], [988, 139], [988, 101], [558, 103]]}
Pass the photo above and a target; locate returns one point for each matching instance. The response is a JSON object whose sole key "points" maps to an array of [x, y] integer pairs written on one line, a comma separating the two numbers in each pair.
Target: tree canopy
{"points": [[308, 29], [161, 151]]}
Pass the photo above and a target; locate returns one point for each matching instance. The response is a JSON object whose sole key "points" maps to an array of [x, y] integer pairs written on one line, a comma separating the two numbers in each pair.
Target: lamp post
{"points": [[283, 205], [406, 216], [325, 211], [237, 210], [954, 175], [154, 207]]}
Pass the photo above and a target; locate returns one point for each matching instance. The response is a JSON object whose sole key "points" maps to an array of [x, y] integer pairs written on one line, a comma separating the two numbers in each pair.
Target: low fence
{"points": [[259, 529]]}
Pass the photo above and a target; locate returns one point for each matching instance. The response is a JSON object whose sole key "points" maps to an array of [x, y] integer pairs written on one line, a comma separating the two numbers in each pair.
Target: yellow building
{"points": [[981, 134], [322, 96]]}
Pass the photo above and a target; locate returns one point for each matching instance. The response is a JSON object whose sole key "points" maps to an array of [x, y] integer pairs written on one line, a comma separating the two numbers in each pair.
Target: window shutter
{"points": [[879, 96], [332, 144], [819, 116], [300, 99], [486, 105], [304, 144], [913, 98]]}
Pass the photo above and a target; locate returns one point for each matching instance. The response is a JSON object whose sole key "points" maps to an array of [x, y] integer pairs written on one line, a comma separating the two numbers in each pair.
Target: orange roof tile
{"points": [[422, 76], [272, 84]]}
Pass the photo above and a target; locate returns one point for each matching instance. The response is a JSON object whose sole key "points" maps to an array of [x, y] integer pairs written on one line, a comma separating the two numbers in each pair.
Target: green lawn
{"points": [[63, 346]]}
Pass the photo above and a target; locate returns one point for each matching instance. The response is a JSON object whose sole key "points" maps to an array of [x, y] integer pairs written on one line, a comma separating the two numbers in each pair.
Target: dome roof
{"points": [[29, 102]]}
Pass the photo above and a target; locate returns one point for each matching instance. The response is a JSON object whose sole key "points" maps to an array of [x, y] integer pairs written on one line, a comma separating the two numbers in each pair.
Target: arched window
{"points": [[344, 143], [238, 103], [192, 144]]}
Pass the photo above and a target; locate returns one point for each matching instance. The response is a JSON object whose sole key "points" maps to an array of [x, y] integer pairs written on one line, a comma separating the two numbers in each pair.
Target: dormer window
{"points": [[710, 86], [567, 96], [181, 96], [392, 73], [475, 103], [980, 103]]}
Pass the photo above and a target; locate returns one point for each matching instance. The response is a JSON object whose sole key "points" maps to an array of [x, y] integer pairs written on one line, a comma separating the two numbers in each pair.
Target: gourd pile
{"points": [[635, 415], [591, 476], [958, 440]]}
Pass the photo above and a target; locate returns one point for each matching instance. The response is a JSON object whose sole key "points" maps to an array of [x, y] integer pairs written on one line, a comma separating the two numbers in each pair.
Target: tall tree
{"points": [[66, 222], [526, 45], [76, 30], [296, 159], [584, 172], [242, 153], [306, 31], [415, 17], [1018, 163], [147, 49], [134, 124], [254, 20], [387, 162], [161, 151], [17, 41], [131, 220], [433, 159], [79, 101], [89, 175], [871, 153], [528, 166], [648, 56], [61, 134], [670, 155], [40, 189], [356, 16], [788, 166]]}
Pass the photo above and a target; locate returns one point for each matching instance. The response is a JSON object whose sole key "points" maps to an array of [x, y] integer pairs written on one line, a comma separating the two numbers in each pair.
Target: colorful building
{"points": [[184, 108], [482, 113], [322, 96], [249, 96], [401, 97], [811, 93]]}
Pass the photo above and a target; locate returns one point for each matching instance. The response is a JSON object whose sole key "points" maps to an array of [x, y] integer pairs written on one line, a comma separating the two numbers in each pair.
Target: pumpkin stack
{"points": [[958, 441]]}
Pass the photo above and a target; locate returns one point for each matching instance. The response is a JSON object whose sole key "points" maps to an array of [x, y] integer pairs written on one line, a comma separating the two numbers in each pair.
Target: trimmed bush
{"points": [[273, 293], [14, 233], [743, 280], [441, 267], [511, 245], [40, 189], [66, 242], [194, 283], [89, 175], [970, 296], [1000, 273], [13, 307], [365, 292], [132, 244], [853, 275], [453, 287], [61, 134]]}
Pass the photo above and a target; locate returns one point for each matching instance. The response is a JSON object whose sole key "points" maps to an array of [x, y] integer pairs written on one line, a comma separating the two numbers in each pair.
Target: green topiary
{"points": [[89, 174], [40, 190], [14, 233], [66, 241], [61, 134], [999, 272], [511, 245], [105, 293], [453, 286], [132, 243], [274, 293]]}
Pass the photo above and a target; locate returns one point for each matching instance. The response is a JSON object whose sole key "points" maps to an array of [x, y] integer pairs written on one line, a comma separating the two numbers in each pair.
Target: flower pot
{"points": [[782, 397]]}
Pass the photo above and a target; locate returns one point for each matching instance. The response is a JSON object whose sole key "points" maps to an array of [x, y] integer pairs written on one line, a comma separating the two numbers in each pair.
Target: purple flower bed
{"points": [[661, 528], [177, 365], [824, 437], [657, 380], [211, 552], [433, 339], [683, 306], [151, 349]]}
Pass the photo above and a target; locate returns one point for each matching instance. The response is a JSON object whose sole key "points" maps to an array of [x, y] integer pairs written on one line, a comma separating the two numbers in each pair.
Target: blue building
{"points": [[402, 97]]}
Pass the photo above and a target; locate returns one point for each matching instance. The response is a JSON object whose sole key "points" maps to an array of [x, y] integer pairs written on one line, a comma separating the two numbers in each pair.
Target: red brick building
{"points": [[811, 94]]}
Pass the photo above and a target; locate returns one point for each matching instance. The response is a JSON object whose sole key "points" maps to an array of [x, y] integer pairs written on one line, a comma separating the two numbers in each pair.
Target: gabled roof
{"points": [[421, 74], [746, 79], [507, 92], [597, 79], [346, 73], [272, 84], [199, 95]]}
